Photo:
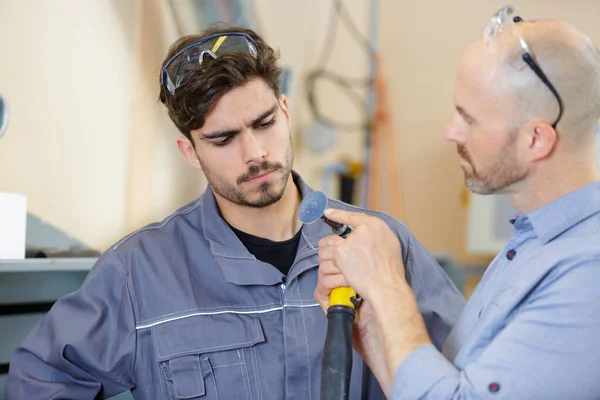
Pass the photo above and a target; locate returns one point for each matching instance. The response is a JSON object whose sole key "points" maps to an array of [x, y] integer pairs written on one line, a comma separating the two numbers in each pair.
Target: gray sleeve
{"points": [[440, 302], [84, 346]]}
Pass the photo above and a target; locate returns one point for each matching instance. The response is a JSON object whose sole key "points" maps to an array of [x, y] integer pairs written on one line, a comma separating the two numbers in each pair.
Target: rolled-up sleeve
{"points": [[549, 350], [85, 345]]}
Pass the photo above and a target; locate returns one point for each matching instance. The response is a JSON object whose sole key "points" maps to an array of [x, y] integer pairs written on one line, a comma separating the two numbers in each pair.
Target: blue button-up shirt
{"points": [[531, 329], [181, 310]]}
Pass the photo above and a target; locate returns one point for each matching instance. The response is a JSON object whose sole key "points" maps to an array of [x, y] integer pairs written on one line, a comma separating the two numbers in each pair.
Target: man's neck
{"points": [[566, 177], [277, 222]]}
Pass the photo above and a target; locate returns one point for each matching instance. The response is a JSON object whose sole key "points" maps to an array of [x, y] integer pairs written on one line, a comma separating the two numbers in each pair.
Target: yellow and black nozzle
{"points": [[337, 353], [343, 302]]}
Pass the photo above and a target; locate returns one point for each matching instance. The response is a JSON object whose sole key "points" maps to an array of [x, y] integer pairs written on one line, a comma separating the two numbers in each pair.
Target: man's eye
{"points": [[468, 120], [223, 142], [266, 124]]}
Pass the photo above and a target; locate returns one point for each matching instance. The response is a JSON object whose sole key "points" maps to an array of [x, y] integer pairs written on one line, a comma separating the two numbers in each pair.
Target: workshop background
{"points": [[370, 88]]}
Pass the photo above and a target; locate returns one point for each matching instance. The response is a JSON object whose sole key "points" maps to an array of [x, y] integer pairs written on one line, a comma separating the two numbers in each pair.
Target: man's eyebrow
{"points": [[219, 134], [464, 114], [262, 116], [232, 132]]}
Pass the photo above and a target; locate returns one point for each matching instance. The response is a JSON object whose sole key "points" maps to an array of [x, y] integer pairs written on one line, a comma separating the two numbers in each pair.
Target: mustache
{"points": [[258, 169], [462, 151]]}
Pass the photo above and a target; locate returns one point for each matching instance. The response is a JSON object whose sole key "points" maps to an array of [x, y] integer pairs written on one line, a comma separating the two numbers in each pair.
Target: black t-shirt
{"points": [[279, 254]]}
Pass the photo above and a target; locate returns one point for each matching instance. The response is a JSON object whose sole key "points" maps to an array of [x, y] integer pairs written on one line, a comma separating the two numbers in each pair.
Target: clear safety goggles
{"points": [[191, 58], [507, 20]]}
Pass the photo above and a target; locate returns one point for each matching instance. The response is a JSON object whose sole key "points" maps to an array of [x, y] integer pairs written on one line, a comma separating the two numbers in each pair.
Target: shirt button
{"points": [[494, 387], [511, 254], [284, 278]]}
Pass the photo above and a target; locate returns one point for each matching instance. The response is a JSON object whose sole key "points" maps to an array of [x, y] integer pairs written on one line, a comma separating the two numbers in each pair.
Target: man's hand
{"points": [[369, 260], [365, 336]]}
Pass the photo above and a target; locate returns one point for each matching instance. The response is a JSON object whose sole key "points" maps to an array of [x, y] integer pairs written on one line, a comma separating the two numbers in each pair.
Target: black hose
{"points": [[337, 354], [366, 378]]}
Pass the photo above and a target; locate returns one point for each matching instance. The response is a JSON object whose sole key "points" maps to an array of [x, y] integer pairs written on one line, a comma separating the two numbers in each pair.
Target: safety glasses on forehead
{"points": [[191, 58], [507, 19]]}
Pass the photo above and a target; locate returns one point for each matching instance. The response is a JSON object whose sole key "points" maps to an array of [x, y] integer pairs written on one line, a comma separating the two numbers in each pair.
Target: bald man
{"points": [[527, 100]]}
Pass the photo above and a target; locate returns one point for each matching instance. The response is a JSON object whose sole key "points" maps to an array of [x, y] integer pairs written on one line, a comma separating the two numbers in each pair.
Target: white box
{"points": [[13, 223]]}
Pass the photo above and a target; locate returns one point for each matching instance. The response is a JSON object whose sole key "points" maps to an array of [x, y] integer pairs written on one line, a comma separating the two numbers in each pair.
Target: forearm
{"points": [[32, 377], [372, 352], [400, 324], [62, 353]]}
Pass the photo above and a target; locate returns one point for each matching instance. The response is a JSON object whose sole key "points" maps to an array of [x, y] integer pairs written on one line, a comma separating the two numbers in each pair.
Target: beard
{"points": [[502, 174], [268, 193]]}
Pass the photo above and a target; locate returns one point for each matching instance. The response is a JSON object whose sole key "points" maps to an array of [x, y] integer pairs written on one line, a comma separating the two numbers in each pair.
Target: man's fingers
{"points": [[347, 217], [323, 303], [330, 282], [330, 241], [326, 285], [327, 254]]}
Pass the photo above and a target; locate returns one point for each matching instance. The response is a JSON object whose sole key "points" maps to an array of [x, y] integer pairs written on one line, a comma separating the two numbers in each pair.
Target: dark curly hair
{"points": [[202, 88]]}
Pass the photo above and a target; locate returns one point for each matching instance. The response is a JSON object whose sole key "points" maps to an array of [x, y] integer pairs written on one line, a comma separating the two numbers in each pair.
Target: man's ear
{"points": [[283, 103], [541, 139], [187, 150]]}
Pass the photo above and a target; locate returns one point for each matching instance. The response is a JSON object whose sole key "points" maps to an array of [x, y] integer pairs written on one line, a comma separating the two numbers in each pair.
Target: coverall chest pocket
{"points": [[209, 357]]}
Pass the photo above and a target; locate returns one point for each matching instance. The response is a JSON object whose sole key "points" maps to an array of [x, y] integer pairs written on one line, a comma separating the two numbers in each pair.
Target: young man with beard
{"points": [[527, 98], [217, 300]]}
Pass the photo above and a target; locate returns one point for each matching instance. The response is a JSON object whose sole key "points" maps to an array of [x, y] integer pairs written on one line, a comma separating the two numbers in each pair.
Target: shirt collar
{"points": [[239, 266], [553, 219]]}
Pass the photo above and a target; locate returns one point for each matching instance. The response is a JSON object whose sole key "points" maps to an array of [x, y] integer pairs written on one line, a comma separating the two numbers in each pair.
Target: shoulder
{"points": [[407, 240], [563, 268], [164, 234], [565, 253], [395, 224]]}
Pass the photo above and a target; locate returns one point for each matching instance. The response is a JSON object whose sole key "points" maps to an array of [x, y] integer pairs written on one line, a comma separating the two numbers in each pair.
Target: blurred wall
{"points": [[66, 71], [88, 142]]}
